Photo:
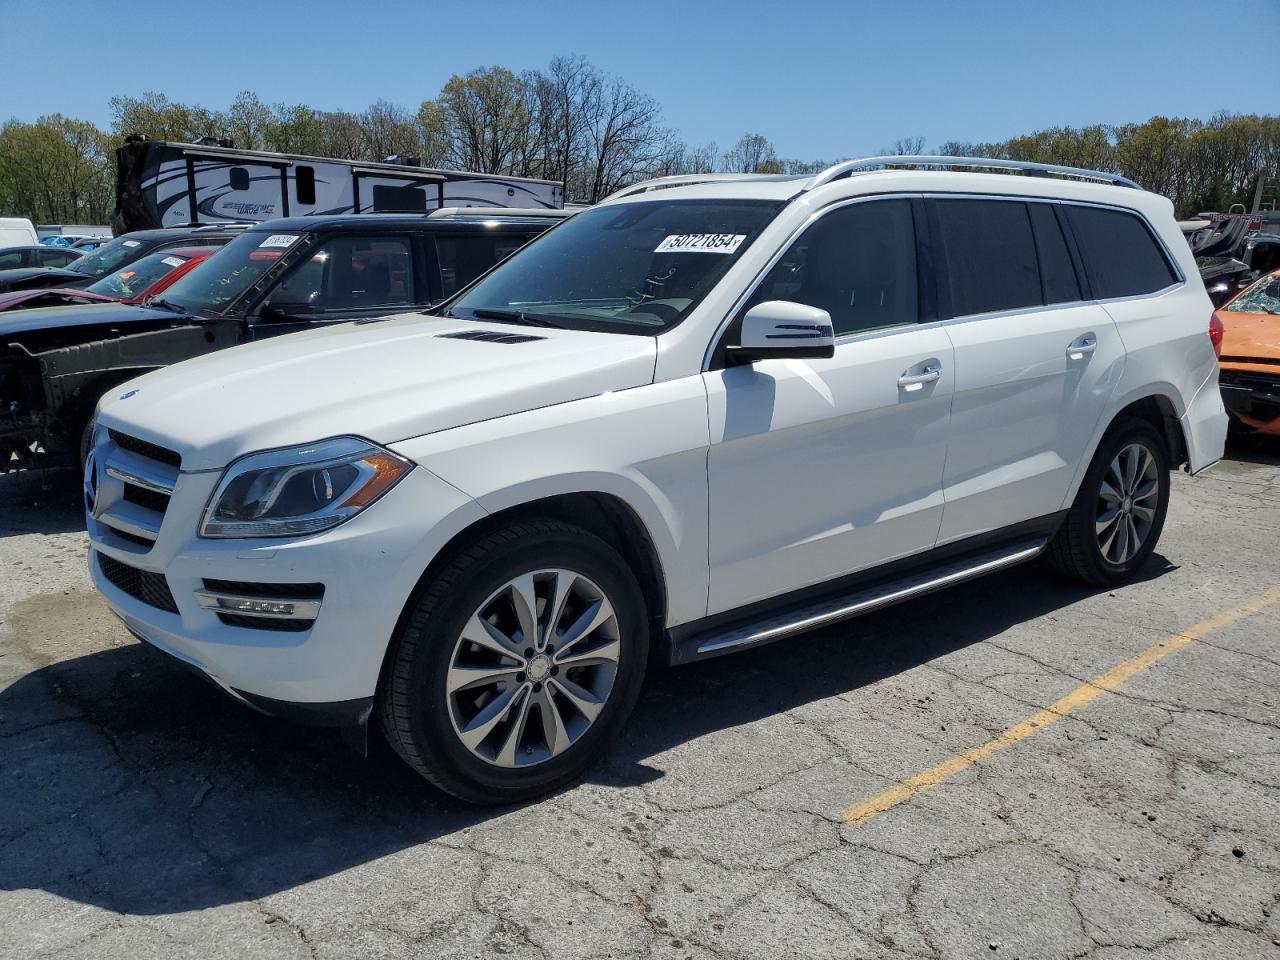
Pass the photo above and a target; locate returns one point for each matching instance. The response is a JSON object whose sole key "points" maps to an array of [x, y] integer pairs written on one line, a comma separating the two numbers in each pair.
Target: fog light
{"points": [[270, 607], [248, 605]]}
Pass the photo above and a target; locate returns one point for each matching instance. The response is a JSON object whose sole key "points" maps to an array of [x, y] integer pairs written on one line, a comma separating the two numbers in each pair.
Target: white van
{"points": [[17, 232]]}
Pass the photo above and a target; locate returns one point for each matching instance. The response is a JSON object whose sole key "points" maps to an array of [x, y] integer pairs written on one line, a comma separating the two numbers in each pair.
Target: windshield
{"points": [[131, 280], [1262, 297], [630, 268], [110, 256], [229, 273]]}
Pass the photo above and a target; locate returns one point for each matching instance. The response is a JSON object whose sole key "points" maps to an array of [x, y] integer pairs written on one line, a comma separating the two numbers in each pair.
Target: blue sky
{"points": [[818, 77]]}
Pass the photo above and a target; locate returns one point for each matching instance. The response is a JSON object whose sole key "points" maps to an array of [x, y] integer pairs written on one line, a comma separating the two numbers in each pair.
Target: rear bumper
{"points": [[1253, 398], [1204, 426]]}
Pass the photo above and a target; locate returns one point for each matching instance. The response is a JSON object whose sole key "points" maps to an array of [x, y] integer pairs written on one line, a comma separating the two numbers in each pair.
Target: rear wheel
{"points": [[1118, 514], [518, 664]]}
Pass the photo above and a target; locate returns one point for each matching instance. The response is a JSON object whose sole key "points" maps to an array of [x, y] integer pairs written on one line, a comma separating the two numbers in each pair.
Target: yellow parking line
{"points": [[1078, 698]]}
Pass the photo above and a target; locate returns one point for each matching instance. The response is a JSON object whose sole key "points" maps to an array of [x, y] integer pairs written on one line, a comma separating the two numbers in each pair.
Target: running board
{"points": [[821, 613]]}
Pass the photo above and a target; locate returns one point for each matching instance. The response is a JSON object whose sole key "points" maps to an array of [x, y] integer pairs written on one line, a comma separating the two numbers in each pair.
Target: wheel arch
{"points": [[605, 515], [1158, 406]]}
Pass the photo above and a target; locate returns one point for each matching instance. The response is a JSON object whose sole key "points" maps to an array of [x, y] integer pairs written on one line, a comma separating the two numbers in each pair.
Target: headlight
{"points": [[300, 490]]}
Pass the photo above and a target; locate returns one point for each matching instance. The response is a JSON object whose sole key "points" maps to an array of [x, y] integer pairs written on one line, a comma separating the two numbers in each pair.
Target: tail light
{"points": [[1215, 334]]}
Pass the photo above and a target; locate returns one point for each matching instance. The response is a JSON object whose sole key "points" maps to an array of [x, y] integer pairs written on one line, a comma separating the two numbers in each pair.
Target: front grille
{"points": [[277, 591], [150, 499], [133, 538], [265, 623], [151, 588], [142, 448]]}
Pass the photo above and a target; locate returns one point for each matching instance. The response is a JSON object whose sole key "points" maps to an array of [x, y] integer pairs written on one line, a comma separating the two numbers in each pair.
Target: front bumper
{"points": [[1252, 398], [369, 568]]}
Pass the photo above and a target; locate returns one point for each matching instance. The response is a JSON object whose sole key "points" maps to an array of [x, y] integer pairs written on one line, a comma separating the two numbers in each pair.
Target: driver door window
{"points": [[858, 263], [351, 274]]}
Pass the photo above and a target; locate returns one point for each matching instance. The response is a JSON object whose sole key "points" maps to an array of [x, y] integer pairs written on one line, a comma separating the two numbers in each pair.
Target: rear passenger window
{"points": [[1121, 255], [990, 255], [1058, 280], [463, 257], [858, 263]]}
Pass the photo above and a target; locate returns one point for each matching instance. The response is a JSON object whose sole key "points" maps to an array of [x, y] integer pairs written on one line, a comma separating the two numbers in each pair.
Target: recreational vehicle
{"points": [[160, 184]]}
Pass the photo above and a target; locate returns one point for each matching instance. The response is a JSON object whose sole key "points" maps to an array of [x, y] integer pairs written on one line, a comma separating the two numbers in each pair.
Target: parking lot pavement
{"points": [[957, 777]]}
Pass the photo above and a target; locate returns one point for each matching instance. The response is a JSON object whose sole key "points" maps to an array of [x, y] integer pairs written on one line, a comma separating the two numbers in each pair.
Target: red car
{"points": [[136, 282]]}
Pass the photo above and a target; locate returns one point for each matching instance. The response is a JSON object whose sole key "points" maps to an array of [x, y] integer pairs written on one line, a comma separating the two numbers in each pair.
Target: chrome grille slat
{"points": [[130, 485]]}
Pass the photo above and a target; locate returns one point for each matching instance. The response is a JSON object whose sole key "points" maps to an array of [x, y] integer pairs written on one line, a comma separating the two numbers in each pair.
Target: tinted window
{"points": [[1121, 255], [11, 259], [1057, 275], [57, 258], [351, 273], [304, 184], [637, 267], [990, 255], [466, 256], [399, 199], [858, 263]]}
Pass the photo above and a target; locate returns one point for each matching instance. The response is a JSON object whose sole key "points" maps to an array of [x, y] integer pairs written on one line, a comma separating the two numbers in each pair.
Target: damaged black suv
{"points": [[274, 278]]}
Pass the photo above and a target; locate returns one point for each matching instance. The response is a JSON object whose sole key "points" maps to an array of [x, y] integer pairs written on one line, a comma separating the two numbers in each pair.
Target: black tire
{"points": [[86, 443], [1076, 550], [413, 705]]}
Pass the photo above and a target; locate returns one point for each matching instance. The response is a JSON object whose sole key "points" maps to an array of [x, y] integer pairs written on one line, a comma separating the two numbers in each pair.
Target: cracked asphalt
{"points": [[144, 815]]}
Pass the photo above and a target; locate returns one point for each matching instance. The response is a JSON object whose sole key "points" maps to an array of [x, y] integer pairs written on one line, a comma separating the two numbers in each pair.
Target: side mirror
{"points": [[284, 310], [782, 329]]}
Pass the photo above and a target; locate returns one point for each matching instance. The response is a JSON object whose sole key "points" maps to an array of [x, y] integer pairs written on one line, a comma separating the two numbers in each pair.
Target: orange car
{"points": [[1249, 355]]}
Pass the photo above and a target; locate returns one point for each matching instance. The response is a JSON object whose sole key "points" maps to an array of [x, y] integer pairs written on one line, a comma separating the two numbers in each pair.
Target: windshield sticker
{"points": [[173, 261], [279, 240], [133, 243], [701, 243]]}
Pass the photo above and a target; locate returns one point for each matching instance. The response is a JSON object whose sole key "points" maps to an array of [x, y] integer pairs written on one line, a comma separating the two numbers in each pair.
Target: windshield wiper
{"points": [[166, 305], [512, 316]]}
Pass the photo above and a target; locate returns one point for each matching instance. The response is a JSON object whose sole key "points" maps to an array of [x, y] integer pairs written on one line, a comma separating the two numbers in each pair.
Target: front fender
{"points": [[646, 446]]}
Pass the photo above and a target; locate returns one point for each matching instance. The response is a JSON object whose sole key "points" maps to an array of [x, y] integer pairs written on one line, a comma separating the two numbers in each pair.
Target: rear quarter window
{"points": [[1121, 255]]}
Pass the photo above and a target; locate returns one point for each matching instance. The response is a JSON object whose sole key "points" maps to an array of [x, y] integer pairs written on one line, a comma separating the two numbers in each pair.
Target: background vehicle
{"points": [[89, 243], [163, 184], [17, 232], [1250, 356], [37, 256], [132, 283], [72, 231], [709, 413], [111, 256], [274, 278]]}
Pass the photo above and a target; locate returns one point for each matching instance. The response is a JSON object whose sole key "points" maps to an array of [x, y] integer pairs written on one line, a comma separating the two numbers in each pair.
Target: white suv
{"points": [[707, 414]]}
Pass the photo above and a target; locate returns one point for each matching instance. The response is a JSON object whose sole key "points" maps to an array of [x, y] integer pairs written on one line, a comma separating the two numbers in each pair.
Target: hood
{"points": [[28, 278], [387, 381], [48, 297], [81, 315], [1251, 340]]}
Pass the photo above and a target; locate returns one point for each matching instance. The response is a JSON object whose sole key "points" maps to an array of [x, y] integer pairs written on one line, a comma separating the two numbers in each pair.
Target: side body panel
{"points": [[646, 446], [820, 468], [1027, 408]]}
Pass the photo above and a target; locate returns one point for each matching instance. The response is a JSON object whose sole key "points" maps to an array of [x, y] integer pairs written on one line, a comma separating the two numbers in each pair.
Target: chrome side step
{"points": [[830, 610]]}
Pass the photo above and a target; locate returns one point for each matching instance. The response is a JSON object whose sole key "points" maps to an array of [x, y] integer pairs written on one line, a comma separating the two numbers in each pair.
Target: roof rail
{"points": [[447, 213], [680, 180], [868, 164]]}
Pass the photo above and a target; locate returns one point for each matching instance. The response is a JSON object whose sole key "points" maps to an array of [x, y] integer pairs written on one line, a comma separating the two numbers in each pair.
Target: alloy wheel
{"points": [[1127, 502], [533, 668]]}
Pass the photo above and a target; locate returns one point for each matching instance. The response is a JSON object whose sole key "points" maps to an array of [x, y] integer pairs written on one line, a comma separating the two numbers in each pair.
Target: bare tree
{"points": [[753, 153]]}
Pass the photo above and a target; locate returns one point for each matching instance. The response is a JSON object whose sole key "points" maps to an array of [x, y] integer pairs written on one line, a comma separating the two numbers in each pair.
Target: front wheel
{"points": [[1118, 514], [518, 664]]}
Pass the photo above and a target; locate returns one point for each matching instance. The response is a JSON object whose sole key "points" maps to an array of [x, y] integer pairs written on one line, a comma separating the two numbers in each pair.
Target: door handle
{"points": [[929, 374], [1082, 346]]}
